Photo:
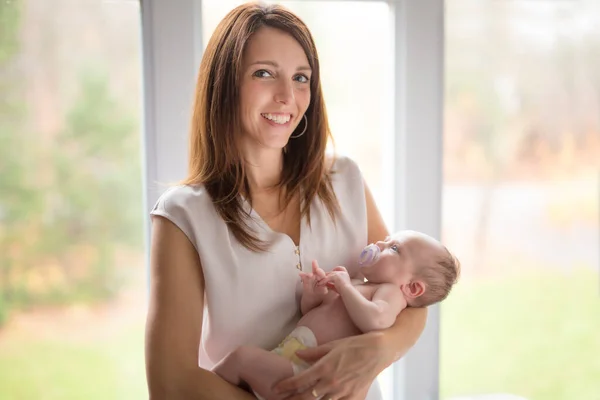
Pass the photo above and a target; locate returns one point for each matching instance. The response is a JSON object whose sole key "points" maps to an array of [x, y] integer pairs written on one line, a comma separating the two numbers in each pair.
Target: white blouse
{"points": [[254, 298]]}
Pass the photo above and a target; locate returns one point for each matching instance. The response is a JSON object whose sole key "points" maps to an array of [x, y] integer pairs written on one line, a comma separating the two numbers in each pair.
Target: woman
{"points": [[260, 202]]}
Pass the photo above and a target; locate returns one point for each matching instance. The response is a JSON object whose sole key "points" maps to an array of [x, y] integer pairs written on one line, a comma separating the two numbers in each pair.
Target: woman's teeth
{"points": [[278, 118]]}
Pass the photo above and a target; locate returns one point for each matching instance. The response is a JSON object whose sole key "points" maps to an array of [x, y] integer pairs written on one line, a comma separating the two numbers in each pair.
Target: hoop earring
{"points": [[304, 130]]}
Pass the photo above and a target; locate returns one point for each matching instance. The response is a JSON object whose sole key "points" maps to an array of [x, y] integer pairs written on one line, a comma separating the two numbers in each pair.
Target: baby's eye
{"points": [[394, 248]]}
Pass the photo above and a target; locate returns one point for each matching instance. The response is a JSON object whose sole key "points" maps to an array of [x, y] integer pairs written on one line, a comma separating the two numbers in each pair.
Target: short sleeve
{"points": [[176, 205], [349, 186]]}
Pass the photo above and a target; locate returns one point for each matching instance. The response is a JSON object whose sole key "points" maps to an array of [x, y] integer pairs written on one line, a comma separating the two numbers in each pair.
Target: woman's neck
{"points": [[263, 169]]}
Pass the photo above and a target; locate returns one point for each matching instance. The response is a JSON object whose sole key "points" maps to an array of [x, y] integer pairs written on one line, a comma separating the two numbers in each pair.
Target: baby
{"points": [[408, 269]]}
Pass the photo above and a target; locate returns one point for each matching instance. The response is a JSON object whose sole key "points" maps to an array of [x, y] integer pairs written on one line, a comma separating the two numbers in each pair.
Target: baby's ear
{"points": [[414, 289]]}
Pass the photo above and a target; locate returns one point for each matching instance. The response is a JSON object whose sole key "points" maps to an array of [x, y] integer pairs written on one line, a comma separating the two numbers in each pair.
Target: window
{"points": [[72, 271], [520, 199]]}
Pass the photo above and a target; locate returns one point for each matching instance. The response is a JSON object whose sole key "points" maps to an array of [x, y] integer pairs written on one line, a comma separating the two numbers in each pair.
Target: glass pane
{"points": [[520, 208], [72, 271], [356, 71]]}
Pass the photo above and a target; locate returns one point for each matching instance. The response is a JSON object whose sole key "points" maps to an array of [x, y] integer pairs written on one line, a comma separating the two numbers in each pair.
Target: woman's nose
{"points": [[284, 93]]}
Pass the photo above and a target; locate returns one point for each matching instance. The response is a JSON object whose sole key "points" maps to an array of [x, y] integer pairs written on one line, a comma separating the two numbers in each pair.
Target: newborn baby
{"points": [[408, 269]]}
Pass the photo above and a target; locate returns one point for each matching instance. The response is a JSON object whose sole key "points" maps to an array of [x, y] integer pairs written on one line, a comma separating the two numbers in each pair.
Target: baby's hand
{"points": [[317, 271], [310, 281], [337, 278]]}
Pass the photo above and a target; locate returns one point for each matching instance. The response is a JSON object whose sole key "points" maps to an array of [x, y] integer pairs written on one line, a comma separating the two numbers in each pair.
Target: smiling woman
{"points": [[356, 72], [250, 215], [260, 66]]}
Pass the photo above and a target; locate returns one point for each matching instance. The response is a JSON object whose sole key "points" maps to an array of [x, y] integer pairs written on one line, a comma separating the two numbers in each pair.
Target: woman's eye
{"points": [[262, 73], [301, 78]]}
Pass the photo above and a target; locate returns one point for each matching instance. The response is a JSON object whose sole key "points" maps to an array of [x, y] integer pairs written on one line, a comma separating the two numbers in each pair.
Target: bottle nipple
{"points": [[369, 255]]}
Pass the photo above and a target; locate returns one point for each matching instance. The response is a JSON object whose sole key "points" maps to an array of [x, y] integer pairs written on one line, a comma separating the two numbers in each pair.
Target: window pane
{"points": [[72, 276], [520, 205], [354, 41]]}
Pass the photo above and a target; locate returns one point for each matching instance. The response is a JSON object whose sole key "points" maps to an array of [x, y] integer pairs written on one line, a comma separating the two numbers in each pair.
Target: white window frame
{"points": [[172, 48], [418, 130]]}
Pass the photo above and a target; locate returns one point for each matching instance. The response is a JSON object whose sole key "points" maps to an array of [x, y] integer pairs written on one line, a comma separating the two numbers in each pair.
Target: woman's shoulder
{"points": [[183, 196], [342, 167], [187, 206], [347, 182], [183, 203]]}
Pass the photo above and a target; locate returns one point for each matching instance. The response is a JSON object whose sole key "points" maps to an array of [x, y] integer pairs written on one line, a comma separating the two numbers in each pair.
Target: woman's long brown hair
{"points": [[215, 159]]}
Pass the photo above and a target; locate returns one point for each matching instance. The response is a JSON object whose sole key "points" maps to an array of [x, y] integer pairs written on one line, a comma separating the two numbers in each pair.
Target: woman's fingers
{"points": [[305, 379]]}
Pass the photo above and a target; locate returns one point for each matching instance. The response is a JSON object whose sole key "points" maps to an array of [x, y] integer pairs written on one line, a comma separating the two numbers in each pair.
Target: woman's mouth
{"points": [[277, 119]]}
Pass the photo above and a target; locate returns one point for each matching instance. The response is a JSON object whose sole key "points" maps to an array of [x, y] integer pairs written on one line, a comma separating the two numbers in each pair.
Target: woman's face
{"points": [[274, 90]]}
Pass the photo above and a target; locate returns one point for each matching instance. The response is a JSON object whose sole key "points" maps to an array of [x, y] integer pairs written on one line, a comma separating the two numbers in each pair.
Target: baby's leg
{"points": [[259, 368]]}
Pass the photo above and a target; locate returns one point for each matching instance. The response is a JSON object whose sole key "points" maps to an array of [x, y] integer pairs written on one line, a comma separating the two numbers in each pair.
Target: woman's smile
{"points": [[277, 119]]}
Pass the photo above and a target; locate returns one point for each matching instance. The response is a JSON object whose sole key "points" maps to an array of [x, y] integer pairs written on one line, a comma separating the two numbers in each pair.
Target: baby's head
{"points": [[423, 268]]}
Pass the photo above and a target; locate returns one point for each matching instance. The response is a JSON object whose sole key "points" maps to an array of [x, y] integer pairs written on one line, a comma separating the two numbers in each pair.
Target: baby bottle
{"points": [[369, 255]]}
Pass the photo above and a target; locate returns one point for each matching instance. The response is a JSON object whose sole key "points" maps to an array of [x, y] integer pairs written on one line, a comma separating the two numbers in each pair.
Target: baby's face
{"points": [[401, 253]]}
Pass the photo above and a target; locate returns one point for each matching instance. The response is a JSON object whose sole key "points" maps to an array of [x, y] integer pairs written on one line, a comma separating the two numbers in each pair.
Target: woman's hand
{"points": [[344, 369]]}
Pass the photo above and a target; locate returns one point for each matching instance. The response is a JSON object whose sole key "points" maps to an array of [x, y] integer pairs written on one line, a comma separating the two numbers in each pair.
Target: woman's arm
{"points": [[410, 323], [174, 322]]}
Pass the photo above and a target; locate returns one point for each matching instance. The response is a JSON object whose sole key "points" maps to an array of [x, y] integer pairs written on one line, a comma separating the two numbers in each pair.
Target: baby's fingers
{"points": [[305, 278], [319, 273], [323, 281], [340, 269], [321, 290], [315, 267]]}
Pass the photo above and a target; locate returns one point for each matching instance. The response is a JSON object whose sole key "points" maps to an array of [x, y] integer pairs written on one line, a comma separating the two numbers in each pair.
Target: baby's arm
{"points": [[312, 295], [260, 369], [376, 314]]}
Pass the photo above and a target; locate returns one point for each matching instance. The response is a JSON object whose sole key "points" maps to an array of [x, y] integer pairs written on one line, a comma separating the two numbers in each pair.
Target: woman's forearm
{"points": [[400, 337], [198, 384]]}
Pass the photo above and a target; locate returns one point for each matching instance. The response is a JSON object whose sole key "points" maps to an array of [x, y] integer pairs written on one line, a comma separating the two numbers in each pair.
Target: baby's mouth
{"points": [[369, 255]]}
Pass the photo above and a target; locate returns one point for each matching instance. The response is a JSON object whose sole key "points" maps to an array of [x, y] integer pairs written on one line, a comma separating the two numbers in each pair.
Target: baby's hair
{"points": [[439, 278]]}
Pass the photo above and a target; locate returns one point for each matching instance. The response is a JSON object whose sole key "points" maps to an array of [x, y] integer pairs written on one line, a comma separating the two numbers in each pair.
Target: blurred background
{"points": [[520, 193]]}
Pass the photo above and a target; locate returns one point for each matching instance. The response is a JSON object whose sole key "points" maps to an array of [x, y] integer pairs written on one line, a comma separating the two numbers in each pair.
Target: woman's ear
{"points": [[414, 289]]}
